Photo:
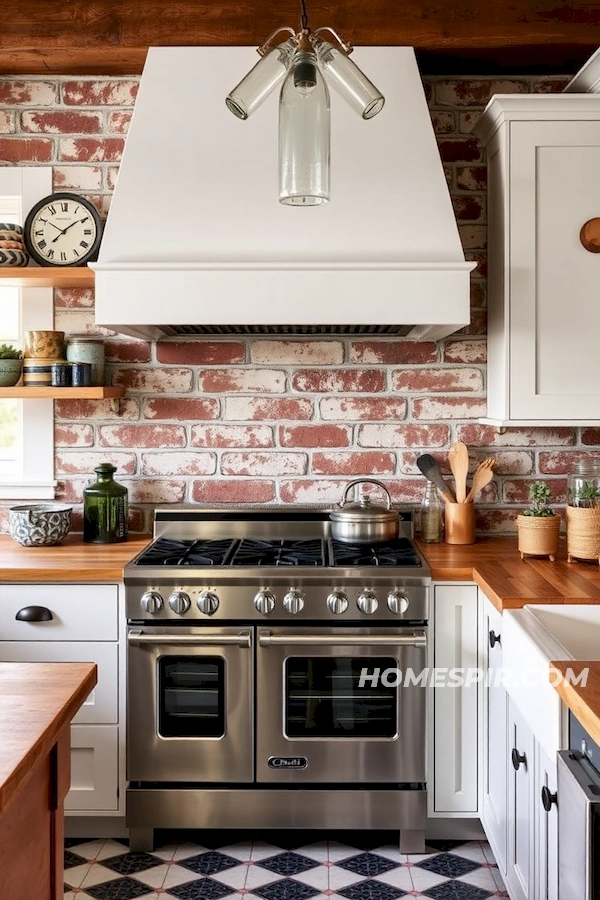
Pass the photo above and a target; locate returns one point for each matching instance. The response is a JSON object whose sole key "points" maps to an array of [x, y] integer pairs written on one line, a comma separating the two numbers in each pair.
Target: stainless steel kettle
{"points": [[364, 522]]}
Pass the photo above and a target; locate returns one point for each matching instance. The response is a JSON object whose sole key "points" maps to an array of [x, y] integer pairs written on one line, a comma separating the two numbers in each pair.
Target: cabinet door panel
{"points": [[455, 708], [94, 768], [494, 743], [555, 315], [101, 706], [521, 830], [546, 829]]}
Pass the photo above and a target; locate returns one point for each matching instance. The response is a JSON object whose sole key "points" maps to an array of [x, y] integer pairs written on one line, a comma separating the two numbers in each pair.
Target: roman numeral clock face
{"points": [[63, 230]]}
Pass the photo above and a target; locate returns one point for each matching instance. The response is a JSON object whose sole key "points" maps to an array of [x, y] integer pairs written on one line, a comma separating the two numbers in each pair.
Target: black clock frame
{"points": [[89, 256]]}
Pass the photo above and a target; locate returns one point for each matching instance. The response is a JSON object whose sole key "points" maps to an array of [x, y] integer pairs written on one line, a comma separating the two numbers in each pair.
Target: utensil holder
{"points": [[460, 523]]}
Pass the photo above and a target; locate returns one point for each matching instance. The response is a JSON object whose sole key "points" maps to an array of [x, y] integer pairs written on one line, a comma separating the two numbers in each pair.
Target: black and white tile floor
{"points": [[279, 867]]}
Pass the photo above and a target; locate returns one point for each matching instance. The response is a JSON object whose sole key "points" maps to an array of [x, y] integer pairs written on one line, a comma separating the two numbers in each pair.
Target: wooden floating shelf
{"points": [[39, 276], [22, 392]]}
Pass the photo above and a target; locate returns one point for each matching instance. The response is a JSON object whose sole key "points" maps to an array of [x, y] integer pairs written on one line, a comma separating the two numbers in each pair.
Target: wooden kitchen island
{"points": [[37, 703]]}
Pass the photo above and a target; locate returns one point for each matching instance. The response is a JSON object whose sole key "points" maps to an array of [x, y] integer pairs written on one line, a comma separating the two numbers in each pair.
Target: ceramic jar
{"points": [[88, 350], [44, 344]]}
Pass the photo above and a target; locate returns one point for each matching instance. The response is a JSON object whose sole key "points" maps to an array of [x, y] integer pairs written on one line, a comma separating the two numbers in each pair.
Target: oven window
{"points": [[323, 699], [191, 696]]}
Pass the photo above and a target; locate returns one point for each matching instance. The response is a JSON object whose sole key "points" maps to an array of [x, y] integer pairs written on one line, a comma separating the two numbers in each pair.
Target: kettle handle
{"points": [[366, 481]]}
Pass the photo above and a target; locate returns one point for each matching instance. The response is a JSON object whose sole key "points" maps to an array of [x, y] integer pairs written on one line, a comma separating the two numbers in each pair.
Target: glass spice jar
{"points": [[432, 522], [105, 508], [583, 485]]}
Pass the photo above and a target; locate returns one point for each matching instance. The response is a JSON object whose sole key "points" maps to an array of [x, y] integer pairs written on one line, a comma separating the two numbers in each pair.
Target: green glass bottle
{"points": [[105, 508]]}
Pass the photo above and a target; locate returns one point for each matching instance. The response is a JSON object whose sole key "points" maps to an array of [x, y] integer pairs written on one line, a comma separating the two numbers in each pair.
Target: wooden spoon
{"points": [[433, 473], [458, 458], [482, 476]]}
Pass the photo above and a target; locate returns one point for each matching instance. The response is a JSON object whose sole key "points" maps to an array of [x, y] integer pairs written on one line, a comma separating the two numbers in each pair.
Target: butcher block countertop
{"points": [[36, 701], [510, 582], [493, 563], [584, 702], [71, 561]]}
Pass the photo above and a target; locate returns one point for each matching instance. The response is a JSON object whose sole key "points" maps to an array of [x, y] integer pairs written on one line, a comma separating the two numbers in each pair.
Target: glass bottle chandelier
{"points": [[300, 61]]}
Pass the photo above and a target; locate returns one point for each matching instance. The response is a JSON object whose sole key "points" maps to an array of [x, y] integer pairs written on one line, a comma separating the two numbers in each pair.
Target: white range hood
{"points": [[196, 241]]}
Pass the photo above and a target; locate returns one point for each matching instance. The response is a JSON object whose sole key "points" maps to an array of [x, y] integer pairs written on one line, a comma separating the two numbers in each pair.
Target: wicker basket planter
{"points": [[583, 533], [538, 535]]}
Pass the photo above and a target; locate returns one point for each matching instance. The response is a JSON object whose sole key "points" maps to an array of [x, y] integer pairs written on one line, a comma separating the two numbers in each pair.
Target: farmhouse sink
{"points": [[531, 638]]}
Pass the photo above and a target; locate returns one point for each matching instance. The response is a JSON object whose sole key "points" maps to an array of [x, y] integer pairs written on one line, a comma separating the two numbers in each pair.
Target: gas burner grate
{"points": [[279, 553], [167, 552], [391, 553]]}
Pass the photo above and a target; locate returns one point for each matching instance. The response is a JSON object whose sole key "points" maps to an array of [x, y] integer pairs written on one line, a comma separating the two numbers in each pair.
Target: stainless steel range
{"points": [[268, 679]]}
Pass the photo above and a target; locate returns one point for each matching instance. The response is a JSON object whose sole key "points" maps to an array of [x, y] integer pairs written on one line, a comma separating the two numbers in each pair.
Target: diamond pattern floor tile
{"points": [[368, 864], [295, 866], [288, 863]]}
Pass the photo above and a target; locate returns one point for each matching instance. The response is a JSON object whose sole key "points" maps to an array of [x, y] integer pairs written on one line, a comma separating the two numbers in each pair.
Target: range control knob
{"points": [[337, 603], [293, 602], [208, 602], [397, 602], [264, 602], [151, 602], [179, 602], [367, 602]]}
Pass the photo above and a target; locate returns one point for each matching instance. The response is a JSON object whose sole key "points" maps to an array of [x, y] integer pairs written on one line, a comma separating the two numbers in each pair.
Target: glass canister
{"points": [[432, 522], [105, 508], [583, 485], [88, 350]]}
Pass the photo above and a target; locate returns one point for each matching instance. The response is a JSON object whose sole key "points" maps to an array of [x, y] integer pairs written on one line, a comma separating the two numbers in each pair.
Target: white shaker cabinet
{"points": [[543, 314], [77, 623], [494, 710], [521, 836], [454, 709]]}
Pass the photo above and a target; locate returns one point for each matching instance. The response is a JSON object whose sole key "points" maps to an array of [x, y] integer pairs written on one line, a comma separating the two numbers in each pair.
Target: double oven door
{"points": [[320, 720], [281, 705], [190, 704]]}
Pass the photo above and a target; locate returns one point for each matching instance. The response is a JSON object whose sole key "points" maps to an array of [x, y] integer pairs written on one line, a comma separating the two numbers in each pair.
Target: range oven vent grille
{"points": [[182, 330]]}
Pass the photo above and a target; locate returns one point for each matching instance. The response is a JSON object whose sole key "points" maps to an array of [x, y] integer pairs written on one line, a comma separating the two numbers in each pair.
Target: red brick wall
{"points": [[290, 421]]}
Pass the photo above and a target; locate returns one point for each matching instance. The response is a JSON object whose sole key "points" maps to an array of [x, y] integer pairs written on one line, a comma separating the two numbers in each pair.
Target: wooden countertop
{"points": [[493, 563], [36, 702], [584, 702], [71, 561], [510, 582]]}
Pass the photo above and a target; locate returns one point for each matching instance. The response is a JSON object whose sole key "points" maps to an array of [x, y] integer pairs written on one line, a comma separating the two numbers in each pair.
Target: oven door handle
{"points": [[194, 640], [412, 639]]}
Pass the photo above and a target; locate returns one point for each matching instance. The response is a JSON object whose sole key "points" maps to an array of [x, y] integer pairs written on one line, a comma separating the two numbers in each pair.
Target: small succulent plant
{"points": [[7, 351], [539, 498]]}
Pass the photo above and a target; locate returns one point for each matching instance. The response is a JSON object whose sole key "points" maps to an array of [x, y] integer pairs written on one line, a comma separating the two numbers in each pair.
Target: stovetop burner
{"points": [[279, 553], [167, 552], [399, 552], [252, 552]]}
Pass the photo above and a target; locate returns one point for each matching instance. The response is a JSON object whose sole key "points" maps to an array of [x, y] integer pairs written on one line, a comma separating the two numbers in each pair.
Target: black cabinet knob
{"points": [[34, 614], [548, 798], [494, 639], [517, 759]]}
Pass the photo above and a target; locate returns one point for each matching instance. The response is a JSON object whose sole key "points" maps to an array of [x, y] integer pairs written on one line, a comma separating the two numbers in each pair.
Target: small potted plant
{"points": [[11, 364], [538, 525]]}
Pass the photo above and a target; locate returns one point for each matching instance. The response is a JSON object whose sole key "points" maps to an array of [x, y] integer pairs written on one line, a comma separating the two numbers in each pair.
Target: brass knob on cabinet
{"points": [[590, 235]]}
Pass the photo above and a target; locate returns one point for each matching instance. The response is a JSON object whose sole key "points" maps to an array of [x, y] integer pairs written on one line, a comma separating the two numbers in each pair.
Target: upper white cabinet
{"points": [[543, 314]]}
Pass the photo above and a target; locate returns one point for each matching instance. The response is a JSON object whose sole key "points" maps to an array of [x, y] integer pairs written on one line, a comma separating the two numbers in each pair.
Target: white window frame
{"points": [[34, 476]]}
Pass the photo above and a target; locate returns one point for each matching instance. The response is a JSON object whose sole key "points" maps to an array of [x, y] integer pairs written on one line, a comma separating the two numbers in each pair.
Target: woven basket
{"points": [[583, 533], [538, 535]]}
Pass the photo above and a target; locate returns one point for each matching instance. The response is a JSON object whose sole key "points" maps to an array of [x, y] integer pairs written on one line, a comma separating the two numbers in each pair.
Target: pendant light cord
{"points": [[303, 16]]}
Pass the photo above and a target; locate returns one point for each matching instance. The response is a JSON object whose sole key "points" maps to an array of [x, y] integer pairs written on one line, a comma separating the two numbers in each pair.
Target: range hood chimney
{"points": [[197, 243]]}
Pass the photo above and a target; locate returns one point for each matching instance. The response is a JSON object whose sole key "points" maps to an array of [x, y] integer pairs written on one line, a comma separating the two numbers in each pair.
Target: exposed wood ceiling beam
{"points": [[112, 36]]}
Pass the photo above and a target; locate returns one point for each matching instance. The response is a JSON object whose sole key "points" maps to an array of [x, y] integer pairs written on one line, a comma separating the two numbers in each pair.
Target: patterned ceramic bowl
{"points": [[39, 525]]}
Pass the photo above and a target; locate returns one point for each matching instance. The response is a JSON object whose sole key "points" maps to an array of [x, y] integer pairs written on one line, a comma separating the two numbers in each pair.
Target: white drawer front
{"points": [[101, 707], [80, 612], [94, 768]]}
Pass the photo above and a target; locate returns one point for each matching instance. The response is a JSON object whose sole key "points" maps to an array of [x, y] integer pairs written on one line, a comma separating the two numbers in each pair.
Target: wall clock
{"points": [[63, 230]]}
